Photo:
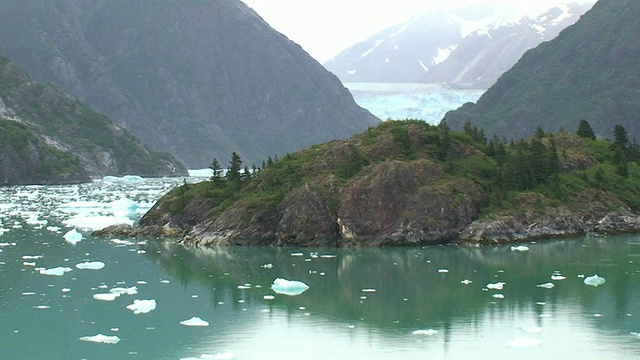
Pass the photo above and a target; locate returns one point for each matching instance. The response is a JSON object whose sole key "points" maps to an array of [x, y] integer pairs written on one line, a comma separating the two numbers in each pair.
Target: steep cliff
{"points": [[50, 137], [409, 183], [198, 79], [589, 72]]}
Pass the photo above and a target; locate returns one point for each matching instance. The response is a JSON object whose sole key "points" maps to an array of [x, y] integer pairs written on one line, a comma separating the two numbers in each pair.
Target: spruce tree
{"points": [[585, 130]]}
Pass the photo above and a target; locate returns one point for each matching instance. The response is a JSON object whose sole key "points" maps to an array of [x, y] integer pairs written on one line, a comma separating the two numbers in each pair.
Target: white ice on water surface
{"points": [[72, 236], [103, 339], [142, 306], [594, 280], [57, 271], [546, 285], [520, 248], [288, 287], [125, 179], [194, 321], [427, 332], [496, 286], [90, 265]]}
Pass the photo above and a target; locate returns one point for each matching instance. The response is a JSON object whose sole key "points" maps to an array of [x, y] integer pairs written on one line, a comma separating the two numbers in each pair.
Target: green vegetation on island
{"points": [[402, 182]]}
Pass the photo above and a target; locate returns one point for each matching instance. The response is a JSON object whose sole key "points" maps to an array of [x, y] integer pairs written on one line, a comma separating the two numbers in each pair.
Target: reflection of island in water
{"points": [[404, 288]]}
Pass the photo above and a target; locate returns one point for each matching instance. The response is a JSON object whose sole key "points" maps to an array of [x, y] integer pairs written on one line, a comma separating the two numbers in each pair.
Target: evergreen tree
{"points": [[585, 130], [246, 174], [216, 168], [620, 161], [620, 137], [233, 172]]}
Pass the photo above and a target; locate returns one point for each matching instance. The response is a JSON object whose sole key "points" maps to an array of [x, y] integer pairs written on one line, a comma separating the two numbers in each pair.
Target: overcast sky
{"points": [[325, 27]]}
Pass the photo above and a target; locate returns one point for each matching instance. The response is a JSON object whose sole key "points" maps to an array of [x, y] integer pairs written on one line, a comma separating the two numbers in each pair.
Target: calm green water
{"points": [[361, 303]]}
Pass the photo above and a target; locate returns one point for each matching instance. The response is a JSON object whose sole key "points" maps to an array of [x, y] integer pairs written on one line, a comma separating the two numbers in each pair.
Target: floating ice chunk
{"points": [[32, 257], [72, 236], [244, 287], [122, 242], [122, 291], [106, 296], [288, 287], [524, 342], [369, 290], [496, 286], [90, 265], [328, 256], [142, 306], [594, 280], [57, 271], [546, 285], [297, 254], [103, 339], [267, 266], [443, 271], [126, 179], [520, 248], [466, 282], [42, 307], [428, 332], [268, 297], [53, 228], [96, 222], [556, 276], [498, 296], [194, 321]]}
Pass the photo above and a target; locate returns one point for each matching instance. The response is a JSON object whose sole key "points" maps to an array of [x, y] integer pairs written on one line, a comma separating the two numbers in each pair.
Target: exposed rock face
{"points": [[399, 203], [196, 78], [50, 137]]}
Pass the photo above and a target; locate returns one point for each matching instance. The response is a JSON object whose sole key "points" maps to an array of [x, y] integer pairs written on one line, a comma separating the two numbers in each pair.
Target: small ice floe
{"points": [[27, 263], [594, 280], [42, 307], [90, 265], [466, 282], [103, 339], [546, 285], [106, 296], [498, 296], [288, 287], [556, 276], [443, 271], [32, 257], [244, 287], [124, 291], [268, 297], [520, 248], [328, 256], [496, 286], [524, 342], [267, 266], [54, 229], [532, 329], [194, 321], [427, 332], [368, 290], [72, 236], [57, 271], [122, 242], [142, 306]]}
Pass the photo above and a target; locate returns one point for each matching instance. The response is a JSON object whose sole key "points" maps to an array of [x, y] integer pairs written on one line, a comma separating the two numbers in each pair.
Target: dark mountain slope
{"points": [[196, 78], [50, 137], [590, 71]]}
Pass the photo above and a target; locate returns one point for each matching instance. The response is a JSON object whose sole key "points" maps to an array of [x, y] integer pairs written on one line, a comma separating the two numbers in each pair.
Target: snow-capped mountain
{"points": [[469, 46]]}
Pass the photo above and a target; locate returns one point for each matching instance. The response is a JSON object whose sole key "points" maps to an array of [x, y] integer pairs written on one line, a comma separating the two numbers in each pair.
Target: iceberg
{"points": [[288, 287], [142, 306], [498, 296], [72, 236], [520, 248], [219, 356], [594, 280], [194, 321], [105, 296], [124, 291], [103, 339], [92, 265], [428, 332], [57, 271]]}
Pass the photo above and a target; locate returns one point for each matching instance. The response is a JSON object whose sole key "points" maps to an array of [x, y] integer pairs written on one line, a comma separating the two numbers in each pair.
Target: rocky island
{"points": [[411, 183]]}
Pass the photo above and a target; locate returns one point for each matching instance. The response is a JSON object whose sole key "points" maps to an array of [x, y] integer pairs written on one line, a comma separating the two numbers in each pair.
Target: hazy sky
{"points": [[325, 27]]}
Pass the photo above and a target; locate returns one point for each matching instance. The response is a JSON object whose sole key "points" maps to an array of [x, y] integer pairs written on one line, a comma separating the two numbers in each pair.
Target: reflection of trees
{"points": [[410, 292]]}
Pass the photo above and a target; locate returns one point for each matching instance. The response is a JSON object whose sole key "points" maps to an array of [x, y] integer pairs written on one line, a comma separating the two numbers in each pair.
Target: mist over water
{"points": [[390, 303]]}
